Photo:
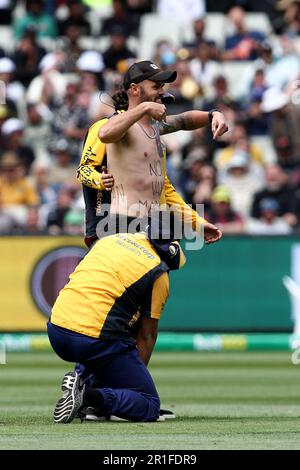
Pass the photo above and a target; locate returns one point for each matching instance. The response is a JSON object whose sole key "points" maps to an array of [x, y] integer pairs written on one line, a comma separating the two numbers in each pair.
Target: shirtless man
{"points": [[129, 145]]}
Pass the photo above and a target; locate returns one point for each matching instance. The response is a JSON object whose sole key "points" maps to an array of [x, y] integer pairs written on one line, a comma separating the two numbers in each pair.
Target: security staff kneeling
{"points": [[106, 318]]}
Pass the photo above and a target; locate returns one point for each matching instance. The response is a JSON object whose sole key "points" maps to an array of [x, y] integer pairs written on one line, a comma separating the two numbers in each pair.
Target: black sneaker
{"points": [[92, 414], [67, 407], [167, 414]]}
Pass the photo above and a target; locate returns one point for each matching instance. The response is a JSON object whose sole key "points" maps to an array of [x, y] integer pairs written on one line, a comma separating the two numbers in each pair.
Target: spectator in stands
{"points": [[62, 170], [264, 63], [205, 186], [121, 18], [7, 225], [185, 12], [184, 88], [241, 181], [91, 67], [222, 214], [13, 132], [32, 223], [51, 83], [277, 188], [5, 113], [202, 36], [269, 223], [118, 50], [290, 22], [283, 126], [164, 53], [239, 140], [191, 174], [6, 9], [14, 90], [37, 131], [198, 139], [34, 17], [17, 195], [256, 121], [278, 71], [56, 217], [71, 47], [27, 58], [242, 45], [203, 69], [46, 192], [198, 30], [139, 7], [74, 222], [75, 18], [220, 95], [222, 100], [69, 121], [215, 6], [295, 185]]}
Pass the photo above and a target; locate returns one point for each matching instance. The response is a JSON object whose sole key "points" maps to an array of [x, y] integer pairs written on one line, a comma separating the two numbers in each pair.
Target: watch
{"points": [[210, 114]]}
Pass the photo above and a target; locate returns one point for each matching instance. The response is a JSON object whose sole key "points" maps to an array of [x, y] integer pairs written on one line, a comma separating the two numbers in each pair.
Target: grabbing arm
{"points": [[92, 161]]}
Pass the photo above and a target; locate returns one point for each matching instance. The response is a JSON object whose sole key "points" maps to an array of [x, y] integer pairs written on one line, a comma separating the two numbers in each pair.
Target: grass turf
{"points": [[227, 400]]}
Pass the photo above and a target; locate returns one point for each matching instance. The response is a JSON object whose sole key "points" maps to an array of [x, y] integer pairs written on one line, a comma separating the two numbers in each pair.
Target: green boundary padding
{"points": [[18, 342]]}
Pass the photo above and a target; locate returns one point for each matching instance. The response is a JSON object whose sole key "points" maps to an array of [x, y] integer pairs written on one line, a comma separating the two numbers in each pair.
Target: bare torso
{"points": [[136, 162]]}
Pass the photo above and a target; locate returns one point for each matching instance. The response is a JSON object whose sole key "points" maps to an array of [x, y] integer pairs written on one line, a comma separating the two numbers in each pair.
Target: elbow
{"points": [[104, 135]]}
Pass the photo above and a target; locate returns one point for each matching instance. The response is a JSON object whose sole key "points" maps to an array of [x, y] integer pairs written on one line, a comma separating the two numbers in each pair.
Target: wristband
{"points": [[210, 114]]}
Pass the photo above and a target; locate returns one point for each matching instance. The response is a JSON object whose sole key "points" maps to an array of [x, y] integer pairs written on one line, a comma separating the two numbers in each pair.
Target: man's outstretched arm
{"points": [[191, 120]]}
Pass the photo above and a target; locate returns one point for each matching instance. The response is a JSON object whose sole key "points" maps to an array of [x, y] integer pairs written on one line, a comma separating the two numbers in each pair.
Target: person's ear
{"points": [[135, 89]]}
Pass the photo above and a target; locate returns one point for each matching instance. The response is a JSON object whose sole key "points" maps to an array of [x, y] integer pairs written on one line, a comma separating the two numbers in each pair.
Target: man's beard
{"points": [[144, 97]]}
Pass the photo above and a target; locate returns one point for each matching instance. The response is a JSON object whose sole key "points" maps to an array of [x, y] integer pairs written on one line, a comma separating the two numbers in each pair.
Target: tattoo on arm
{"points": [[178, 122]]}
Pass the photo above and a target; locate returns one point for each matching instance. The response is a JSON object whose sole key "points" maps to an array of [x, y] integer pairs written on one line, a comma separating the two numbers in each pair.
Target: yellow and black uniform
{"points": [[119, 281], [94, 193]]}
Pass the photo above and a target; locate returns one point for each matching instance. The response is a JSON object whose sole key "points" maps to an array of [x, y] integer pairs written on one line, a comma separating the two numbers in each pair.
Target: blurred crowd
{"points": [[61, 61]]}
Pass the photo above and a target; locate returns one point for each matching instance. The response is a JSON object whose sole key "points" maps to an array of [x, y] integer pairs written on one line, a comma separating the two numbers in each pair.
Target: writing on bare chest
{"points": [[155, 168]]}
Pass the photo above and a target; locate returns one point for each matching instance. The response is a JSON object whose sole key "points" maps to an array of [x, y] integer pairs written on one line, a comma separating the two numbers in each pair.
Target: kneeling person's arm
{"points": [[146, 338], [151, 311]]}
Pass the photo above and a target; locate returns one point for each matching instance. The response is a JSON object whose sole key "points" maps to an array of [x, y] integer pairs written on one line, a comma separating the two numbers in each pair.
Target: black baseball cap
{"points": [[147, 70], [160, 232]]}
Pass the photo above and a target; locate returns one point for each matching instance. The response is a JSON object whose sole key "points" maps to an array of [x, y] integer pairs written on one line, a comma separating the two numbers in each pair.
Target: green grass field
{"points": [[222, 401]]}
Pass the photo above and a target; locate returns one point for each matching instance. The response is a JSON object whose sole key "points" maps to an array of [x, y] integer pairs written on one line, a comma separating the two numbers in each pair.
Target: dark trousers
{"points": [[119, 374]]}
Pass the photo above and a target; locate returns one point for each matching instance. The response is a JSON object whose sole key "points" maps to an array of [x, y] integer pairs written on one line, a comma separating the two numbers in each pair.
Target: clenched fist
{"points": [[156, 110]]}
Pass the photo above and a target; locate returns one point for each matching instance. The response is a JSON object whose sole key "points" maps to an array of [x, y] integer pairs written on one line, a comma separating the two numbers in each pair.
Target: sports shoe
{"points": [[67, 407], [92, 414], [167, 414]]}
